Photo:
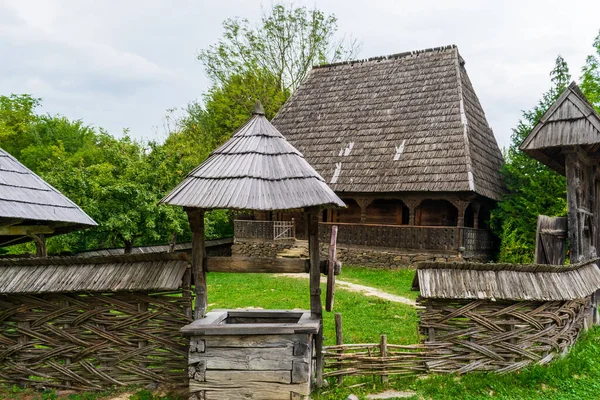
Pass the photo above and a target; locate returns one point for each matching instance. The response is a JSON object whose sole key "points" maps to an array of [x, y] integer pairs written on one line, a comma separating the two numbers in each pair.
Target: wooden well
{"points": [[264, 354]]}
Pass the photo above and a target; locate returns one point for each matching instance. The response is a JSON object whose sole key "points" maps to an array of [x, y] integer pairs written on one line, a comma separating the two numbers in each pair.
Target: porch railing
{"points": [[406, 237], [409, 237]]}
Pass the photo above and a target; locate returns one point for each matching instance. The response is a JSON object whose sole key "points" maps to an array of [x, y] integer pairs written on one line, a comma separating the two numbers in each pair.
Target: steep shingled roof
{"points": [[256, 169], [407, 122], [27, 199]]}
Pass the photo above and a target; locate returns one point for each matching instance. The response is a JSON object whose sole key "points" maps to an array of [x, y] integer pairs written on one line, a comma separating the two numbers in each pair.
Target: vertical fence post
{"points": [[142, 308], [65, 304], [383, 352], [339, 340]]}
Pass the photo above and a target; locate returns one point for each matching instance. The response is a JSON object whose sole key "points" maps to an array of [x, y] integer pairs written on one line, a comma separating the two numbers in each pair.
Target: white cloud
{"points": [[123, 63]]}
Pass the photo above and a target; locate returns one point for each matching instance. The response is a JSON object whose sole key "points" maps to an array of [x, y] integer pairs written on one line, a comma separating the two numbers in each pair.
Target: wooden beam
{"points": [[23, 230], [253, 265], [316, 307], [196, 219]]}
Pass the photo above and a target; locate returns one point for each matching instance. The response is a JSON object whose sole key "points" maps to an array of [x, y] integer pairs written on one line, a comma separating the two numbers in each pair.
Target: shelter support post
{"points": [[196, 219], [40, 244], [412, 205], [316, 307]]}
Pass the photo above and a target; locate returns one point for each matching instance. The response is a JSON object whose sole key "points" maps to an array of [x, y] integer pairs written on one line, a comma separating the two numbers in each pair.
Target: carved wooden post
{"points": [[572, 171], [476, 208], [412, 205], [316, 307], [363, 203], [196, 219]]}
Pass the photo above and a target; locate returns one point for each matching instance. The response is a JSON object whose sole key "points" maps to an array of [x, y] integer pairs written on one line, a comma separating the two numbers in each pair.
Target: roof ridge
{"points": [[465, 123], [394, 56]]}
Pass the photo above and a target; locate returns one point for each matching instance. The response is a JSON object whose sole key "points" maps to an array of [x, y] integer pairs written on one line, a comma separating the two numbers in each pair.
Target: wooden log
{"points": [[253, 265], [550, 243], [316, 307], [196, 219], [186, 289], [339, 340], [383, 351]]}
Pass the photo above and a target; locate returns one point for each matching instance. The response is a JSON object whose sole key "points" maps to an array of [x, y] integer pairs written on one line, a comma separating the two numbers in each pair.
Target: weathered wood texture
{"points": [[463, 336], [250, 366], [500, 336], [215, 248], [550, 240], [437, 138], [196, 220], [30, 205], [254, 264], [95, 274], [410, 237], [93, 341], [256, 169], [506, 281]]}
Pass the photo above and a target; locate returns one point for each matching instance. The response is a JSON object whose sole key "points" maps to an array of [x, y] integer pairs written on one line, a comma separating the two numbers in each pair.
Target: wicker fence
{"points": [[92, 341], [464, 336]]}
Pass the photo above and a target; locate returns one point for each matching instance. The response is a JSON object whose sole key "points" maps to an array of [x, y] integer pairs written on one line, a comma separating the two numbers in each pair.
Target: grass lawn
{"points": [[394, 281], [363, 318]]}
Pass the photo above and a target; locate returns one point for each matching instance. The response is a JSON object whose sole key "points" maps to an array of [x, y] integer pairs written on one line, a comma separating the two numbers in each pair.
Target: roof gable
{"points": [[570, 121], [409, 122], [256, 169]]}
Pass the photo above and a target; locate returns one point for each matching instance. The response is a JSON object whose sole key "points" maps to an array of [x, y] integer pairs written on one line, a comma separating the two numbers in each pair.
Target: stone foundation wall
{"points": [[260, 248], [350, 255]]}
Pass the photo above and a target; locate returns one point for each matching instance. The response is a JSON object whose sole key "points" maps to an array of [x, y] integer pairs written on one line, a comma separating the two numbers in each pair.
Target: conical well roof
{"points": [[256, 169]]}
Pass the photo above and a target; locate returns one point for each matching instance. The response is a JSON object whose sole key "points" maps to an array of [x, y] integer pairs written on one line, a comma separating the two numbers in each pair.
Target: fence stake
{"points": [[383, 348], [339, 340]]}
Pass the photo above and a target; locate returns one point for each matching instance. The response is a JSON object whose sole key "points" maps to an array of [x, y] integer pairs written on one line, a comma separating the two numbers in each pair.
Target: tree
{"points": [[590, 77], [533, 188], [287, 42]]}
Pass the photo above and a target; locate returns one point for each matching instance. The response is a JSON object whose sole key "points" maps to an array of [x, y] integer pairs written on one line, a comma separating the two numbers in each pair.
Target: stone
{"points": [[423, 257], [391, 394], [440, 259], [151, 386], [352, 397]]}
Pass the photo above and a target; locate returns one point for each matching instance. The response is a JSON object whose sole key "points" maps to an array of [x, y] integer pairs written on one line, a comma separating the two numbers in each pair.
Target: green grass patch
{"points": [[394, 281], [364, 318]]}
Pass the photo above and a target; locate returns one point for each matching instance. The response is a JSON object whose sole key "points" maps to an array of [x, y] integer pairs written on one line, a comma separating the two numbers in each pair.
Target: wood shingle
{"points": [[406, 122]]}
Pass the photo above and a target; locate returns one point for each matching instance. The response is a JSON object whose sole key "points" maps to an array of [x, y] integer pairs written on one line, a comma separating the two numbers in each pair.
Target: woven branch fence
{"points": [[91, 341], [464, 336]]}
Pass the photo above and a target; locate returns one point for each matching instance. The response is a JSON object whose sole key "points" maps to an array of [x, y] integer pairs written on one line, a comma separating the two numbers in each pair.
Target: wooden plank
{"points": [[251, 329], [24, 230], [316, 307], [254, 391], [246, 359], [300, 372], [254, 341], [227, 378], [254, 265], [550, 244], [196, 219]]}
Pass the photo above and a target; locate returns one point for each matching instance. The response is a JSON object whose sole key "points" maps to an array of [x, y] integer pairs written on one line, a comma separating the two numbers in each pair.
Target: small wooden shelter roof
{"points": [[405, 122], [570, 121], [27, 200], [97, 274], [507, 281], [256, 169]]}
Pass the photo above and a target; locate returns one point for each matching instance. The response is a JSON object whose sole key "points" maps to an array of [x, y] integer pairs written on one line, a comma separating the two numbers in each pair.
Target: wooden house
{"points": [[31, 209], [404, 141]]}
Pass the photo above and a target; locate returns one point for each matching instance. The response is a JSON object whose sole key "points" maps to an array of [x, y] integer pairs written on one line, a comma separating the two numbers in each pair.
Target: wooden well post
{"points": [[196, 220]]}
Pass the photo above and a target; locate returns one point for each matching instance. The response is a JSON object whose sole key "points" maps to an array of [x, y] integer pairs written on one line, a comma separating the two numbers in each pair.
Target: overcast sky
{"points": [[122, 64]]}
